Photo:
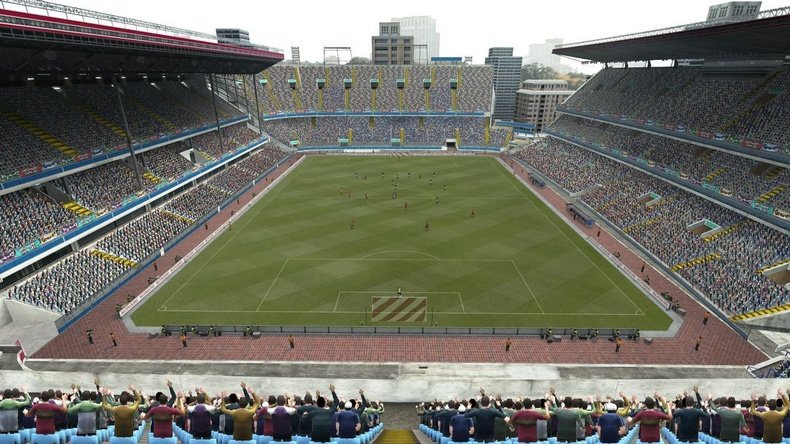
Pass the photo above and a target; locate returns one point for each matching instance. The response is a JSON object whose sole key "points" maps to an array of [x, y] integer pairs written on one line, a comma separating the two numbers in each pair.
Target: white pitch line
{"points": [[441, 312], [272, 285], [399, 251], [337, 301], [528, 287], [462, 302], [577, 247]]}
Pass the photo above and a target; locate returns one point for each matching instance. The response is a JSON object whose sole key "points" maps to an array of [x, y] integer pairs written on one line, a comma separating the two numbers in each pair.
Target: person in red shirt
{"points": [[162, 416], [45, 412], [651, 418], [525, 421]]}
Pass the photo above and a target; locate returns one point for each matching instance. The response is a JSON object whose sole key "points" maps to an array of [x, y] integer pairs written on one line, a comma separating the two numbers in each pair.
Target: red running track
{"points": [[721, 345]]}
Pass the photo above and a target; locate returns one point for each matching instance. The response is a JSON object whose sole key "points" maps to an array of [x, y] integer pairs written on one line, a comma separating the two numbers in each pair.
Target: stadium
{"points": [[199, 218]]}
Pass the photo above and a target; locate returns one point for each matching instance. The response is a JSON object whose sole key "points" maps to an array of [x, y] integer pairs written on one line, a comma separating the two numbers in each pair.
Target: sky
{"points": [[464, 30]]}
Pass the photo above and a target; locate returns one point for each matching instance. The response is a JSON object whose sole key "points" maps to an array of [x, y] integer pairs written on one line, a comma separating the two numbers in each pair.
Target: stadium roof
{"points": [[41, 37], [768, 36]]}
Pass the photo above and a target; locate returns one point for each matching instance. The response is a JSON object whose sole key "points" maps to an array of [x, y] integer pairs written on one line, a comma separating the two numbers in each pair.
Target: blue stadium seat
{"points": [[117, 440], [263, 439], [171, 440], [233, 441], [202, 441], [91, 439], [35, 438], [10, 438], [302, 440]]}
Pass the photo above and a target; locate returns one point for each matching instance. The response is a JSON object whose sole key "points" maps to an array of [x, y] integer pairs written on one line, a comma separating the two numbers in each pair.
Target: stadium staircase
{"points": [[347, 98], [102, 121], [396, 436], [759, 87], [77, 209], [40, 133], [641, 224], [487, 131], [427, 100], [402, 136], [371, 122], [774, 265], [715, 174], [270, 89], [208, 156], [350, 136], [458, 138], [765, 197], [760, 313], [508, 137], [151, 177], [726, 231], [773, 172], [114, 258], [177, 217], [761, 101], [297, 99], [166, 123], [696, 261], [454, 99]]}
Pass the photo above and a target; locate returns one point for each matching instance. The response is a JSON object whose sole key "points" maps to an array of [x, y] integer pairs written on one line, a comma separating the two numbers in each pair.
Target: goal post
{"points": [[399, 309]]}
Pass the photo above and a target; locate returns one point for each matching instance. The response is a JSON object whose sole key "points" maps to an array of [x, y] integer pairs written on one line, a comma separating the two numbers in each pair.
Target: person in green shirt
{"points": [[732, 421], [568, 419], [9, 410], [86, 413], [242, 417]]}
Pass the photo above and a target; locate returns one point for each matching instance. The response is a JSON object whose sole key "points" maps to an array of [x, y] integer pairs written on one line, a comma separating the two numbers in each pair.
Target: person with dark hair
{"points": [[124, 413], [687, 420], [773, 418], [443, 417], [319, 420], [484, 419], [758, 422], [307, 406], [9, 410], [242, 417], [732, 421], [162, 416], [281, 419], [86, 409], [45, 412], [200, 416], [650, 419], [526, 420], [568, 419]]}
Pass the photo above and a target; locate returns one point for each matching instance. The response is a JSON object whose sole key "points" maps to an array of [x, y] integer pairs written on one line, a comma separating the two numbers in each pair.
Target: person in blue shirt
{"points": [[461, 427]]}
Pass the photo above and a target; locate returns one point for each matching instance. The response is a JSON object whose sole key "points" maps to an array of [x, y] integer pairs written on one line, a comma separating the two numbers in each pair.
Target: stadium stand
{"points": [[67, 284], [737, 106], [664, 220]]}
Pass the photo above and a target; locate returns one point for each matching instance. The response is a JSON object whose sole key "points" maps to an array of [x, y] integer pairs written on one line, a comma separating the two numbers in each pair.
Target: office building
{"points": [[507, 78], [390, 47], [537, 100], [423, 29]]}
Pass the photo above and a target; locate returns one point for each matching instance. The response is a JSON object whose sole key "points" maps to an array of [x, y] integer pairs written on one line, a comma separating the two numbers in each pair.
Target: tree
{"points": [[536, 71], [360, 61]]}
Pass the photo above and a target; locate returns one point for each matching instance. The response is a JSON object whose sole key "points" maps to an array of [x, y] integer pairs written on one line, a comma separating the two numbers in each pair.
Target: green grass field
{"points": [[293, 259]]}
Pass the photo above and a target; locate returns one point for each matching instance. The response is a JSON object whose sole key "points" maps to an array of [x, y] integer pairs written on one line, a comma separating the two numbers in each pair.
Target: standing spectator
{"points": [[611, 426], [772, 419], [650, 419], [347, 423], [732, 421], [705, 318], [508, 343], [687, 420], [291, 341], [320, 420], [183, 338], [45, 412], [200, 417], [526, 421], [461, 427], [699, 342], [568, 420], [242, 418], [618, 342], [112, 338], [484, 419], [89, 333], [281, 420], [86, 413], [162, 416], [9, 410], [124, 414]]}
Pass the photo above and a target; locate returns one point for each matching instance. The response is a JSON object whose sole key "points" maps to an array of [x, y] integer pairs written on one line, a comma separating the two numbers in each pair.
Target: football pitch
{"points": [[465, 242]]}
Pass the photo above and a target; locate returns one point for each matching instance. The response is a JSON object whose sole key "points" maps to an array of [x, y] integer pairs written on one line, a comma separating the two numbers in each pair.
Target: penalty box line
{"points": [[381, 293]]}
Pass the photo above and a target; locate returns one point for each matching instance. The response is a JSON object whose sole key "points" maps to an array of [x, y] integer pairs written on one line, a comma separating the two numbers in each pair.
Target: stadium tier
{"points": [[743, 106], [74, 123]]}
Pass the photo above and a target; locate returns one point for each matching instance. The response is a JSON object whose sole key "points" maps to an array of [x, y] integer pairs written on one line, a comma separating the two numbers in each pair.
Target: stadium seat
{"points": [[35, 438], [90, 439], [171, 440], [10, 438], [117, 440], [204, 441]]}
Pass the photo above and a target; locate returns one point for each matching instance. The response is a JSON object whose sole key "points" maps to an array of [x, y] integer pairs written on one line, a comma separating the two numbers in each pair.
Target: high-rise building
{"points": [[541, 53], [537, 100], [507, 78], [296, 58], [390, 47], [734, 11], [233, 36], [423, 29]]}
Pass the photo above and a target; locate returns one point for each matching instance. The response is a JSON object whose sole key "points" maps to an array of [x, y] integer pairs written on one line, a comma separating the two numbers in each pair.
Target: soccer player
{"points": [[427, 227], [444, 187], [436, 200], [473, 213], [366, 196], [430, 181], [352, 224], [405, 205], [400, 291]]}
